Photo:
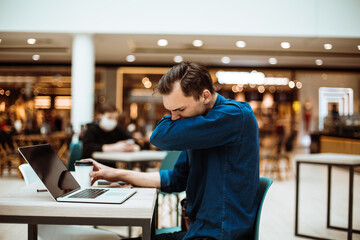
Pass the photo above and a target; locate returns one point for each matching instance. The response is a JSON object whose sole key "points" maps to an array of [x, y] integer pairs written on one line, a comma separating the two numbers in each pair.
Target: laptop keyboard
{"points": [[89, 193]]}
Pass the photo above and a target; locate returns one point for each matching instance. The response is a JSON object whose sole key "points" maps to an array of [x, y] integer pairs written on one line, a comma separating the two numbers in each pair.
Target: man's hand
{"points": [[101, 171], [121, 146]]}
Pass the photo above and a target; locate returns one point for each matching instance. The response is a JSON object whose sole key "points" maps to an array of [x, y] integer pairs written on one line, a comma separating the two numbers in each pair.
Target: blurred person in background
{"points": [[6, 131], [105, 135]]}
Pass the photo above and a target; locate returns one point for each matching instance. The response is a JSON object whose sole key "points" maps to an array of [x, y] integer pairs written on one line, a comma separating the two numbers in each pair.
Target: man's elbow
{"points": [[158, 141], [162, 142]]}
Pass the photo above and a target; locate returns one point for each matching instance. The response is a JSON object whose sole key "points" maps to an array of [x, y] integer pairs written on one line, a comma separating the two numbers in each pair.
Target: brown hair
{"points": [[107, 108], [193, 78]]}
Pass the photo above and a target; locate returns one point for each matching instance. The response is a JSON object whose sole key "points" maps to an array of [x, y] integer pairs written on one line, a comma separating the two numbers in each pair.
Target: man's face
{"points": [[182, 106]]}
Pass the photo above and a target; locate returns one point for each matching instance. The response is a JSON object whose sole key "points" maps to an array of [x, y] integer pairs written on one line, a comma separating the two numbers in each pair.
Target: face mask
{"points": [[107, 124]]}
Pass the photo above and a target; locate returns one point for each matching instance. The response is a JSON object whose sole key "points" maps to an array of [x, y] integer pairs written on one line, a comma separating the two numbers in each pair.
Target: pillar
{"points": [[82, 81]]}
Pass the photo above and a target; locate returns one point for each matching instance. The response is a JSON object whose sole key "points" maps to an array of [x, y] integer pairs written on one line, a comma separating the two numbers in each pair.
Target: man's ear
{"points": [[206, 94]]}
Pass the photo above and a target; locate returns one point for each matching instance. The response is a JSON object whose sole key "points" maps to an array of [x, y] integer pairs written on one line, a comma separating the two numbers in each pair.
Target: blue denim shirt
{"points": [[218, 168]]}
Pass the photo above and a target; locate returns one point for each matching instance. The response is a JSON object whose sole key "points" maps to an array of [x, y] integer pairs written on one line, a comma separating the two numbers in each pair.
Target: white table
{"points": [[27, 206], [331, 160], [130, 157]]}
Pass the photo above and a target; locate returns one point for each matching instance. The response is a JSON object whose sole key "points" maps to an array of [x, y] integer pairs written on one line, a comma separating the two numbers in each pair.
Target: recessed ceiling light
{"points": [[285, 45], [197, 43], [319, 62], [261, 89], [162, 42], [178, 59], [36, 57], [31, 41], [272, 61], [130, 58], [328, 46], [225, 60], [241, 44], [291, 84], [299, 85], [358, 47]]}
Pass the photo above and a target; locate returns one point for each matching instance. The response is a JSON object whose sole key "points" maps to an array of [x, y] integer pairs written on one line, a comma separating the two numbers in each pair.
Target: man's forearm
{"points": [[140, 179]]}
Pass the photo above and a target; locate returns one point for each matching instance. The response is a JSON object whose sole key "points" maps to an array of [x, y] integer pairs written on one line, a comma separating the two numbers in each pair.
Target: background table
{"points": [[330, 160], [30, 207], [130, 158]]}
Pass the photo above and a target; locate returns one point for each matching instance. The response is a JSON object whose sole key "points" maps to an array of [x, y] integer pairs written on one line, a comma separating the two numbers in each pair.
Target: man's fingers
{"points": [[95, 176], [96, 165], [94, 180]]}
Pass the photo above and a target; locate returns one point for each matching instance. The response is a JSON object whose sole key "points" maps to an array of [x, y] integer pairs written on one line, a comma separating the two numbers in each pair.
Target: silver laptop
{"points": [[61, 184]]}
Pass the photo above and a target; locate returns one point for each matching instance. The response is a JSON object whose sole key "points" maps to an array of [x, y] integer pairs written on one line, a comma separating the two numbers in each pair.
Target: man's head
{"points": [[108, 116], [187, 90]]}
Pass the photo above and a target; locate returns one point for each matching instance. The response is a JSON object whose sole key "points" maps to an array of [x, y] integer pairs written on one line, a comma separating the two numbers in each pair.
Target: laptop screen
{"points": [[50, 169]]}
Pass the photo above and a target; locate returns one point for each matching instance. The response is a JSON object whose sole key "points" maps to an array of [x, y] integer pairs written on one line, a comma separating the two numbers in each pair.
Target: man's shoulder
{"points": [[234, 106]]}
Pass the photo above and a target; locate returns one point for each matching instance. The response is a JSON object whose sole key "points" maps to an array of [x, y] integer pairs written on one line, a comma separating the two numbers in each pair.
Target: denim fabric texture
{"points": [[218, 168]]}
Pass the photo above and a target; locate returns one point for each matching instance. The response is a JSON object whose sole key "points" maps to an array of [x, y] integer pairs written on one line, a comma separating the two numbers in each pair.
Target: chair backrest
{"points": [[75, 153], [265, 184], [28, 174], [169, 160]]}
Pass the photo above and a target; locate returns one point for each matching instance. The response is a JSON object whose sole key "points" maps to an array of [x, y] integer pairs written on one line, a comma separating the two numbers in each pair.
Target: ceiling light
{"points": [[299, 85], [31, 41], [272, 61], [130, 58], [291, 84], [225, 60], [147, 84], [261, 89], [162, 42], [197, 43], [328, 46], [36, 57], [358, 47], [241, 44], [285, 45], [319, 62], [145, 79], [178, 59]]}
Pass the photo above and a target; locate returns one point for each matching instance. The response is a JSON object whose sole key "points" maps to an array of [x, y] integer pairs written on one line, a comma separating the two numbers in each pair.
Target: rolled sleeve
{"points": [[175, 180], [165, 180]]}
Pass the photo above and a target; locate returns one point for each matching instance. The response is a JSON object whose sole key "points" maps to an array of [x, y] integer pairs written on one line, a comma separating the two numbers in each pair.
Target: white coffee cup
{"points": [[82, 171]]}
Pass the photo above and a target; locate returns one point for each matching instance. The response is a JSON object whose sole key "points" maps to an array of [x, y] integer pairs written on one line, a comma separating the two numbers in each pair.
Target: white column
{"points": [[82, 83]]}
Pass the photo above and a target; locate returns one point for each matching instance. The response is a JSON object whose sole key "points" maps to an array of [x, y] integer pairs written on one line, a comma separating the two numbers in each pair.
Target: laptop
{"points": [[60, 182]]}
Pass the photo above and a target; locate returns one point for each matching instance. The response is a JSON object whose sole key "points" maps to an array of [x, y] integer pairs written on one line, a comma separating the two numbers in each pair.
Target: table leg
{"points": [[351, 188], [328, 197], [297, 198], [32, 231], [130, 165], [146, 231]]}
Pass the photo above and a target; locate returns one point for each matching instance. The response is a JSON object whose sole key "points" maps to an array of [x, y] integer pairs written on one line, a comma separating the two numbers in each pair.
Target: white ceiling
{"points": [[113, 49]]}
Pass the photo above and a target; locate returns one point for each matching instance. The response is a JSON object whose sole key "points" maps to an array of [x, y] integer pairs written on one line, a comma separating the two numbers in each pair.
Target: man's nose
{"points": [[175, 117]]}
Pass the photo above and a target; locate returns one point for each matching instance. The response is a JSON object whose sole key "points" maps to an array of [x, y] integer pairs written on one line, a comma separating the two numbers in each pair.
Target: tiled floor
{"points": [[277, 219]]}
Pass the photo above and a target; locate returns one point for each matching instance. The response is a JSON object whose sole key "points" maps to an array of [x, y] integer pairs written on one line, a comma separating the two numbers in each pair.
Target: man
{"points": [[219, 163], [105, 135]]}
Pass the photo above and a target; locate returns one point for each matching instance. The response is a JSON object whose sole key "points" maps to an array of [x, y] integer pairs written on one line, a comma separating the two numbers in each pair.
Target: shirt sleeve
{"points": [[218, 127], [175, 180]]}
